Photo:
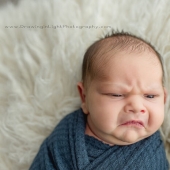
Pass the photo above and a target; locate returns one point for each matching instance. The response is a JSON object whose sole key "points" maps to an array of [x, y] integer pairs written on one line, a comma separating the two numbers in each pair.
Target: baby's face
{"points": [[128, 104]]}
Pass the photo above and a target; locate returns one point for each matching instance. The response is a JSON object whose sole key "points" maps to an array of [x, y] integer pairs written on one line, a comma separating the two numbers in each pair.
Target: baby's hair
{"points": [[94, 61]]}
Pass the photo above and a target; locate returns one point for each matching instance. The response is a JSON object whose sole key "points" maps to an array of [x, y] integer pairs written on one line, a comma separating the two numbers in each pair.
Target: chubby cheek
{"points": [[102, 113], [156, 117]]}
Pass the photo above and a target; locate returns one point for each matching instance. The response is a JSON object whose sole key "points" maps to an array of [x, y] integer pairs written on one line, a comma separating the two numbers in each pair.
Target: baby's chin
{"points": [[130, 136], [127, 138], [120, 136]]}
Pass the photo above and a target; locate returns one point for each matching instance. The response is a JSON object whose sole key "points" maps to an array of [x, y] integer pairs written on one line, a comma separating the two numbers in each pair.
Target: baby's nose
{"points": [[135, 105]]}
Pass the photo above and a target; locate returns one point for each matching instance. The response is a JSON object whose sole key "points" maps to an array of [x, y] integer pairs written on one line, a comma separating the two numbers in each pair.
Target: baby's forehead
{"points": [[114, 48], [110, 58], [100, 53], [118, 44]]}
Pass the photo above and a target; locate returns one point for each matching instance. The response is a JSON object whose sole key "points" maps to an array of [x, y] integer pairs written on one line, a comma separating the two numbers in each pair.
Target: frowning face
{"points": [[127, 105]]}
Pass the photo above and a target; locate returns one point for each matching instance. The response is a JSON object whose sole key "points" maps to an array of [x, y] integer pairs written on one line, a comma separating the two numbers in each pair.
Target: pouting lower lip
{"points": [[134, 122]]}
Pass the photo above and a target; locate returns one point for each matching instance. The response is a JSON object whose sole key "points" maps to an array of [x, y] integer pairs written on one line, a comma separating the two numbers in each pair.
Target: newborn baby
{"points": [[123, 96]]}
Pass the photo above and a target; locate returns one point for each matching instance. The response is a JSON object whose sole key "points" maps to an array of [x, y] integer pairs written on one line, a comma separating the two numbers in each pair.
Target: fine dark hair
{"points": [[116, 41]]}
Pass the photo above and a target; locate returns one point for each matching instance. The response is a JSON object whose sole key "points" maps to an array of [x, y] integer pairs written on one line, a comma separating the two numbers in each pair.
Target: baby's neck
{"points": [[89, 132]]}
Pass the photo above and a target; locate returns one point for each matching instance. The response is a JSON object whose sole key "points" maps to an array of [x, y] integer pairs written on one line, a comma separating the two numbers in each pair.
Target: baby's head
{"points": [[122, 89]]}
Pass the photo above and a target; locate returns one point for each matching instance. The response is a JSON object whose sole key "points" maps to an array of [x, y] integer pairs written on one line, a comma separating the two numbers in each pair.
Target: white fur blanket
{"points": [[40, 66]]}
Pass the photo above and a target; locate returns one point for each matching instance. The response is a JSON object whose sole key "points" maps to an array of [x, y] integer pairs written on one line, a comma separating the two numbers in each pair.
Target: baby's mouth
{"points": [[134, 123]]}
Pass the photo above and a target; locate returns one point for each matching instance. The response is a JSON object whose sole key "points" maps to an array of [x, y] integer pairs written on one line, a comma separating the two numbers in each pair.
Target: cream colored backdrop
{"points": [[39, 67]]}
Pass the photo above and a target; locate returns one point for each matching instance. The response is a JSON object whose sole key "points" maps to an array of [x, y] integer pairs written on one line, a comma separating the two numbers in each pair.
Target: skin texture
{"points": [[130, 90]]}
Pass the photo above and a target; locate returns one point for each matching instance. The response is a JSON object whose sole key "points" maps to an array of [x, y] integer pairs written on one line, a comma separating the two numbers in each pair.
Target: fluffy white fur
{"points": [[39, 68]]}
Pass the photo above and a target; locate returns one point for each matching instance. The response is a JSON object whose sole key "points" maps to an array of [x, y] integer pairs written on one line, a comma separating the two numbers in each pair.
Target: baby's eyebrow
{"points": [[117, 85], [154, 87], [127, 87]]}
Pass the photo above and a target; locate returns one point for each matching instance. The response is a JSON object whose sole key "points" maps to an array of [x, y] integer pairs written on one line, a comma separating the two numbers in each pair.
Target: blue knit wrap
{"points": [[66, 149]]}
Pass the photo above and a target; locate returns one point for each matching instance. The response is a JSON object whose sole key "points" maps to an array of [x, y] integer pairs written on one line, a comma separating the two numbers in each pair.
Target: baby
{"points": [[123, 96]]}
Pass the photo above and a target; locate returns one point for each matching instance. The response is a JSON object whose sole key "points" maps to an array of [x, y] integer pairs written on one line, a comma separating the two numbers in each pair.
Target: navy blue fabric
{"points": [[68, 148]]}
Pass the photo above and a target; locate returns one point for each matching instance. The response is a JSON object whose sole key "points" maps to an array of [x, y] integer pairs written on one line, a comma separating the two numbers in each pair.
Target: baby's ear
{"points": [[82, 94], [165, 95]]}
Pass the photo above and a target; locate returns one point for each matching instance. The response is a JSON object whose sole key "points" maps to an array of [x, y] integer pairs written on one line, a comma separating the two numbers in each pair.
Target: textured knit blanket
{"points": [[68, 148]]}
